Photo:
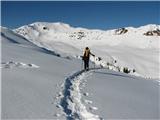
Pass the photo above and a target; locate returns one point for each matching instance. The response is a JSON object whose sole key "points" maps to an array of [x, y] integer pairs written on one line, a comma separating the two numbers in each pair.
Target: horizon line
{"points": [[80, 26]]}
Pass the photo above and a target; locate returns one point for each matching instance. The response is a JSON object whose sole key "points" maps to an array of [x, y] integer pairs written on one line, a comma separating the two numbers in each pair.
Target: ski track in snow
{"points": [[71, 101]]}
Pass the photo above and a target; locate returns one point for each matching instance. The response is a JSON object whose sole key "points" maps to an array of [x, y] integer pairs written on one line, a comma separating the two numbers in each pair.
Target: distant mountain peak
{"points": [[51, 24]]}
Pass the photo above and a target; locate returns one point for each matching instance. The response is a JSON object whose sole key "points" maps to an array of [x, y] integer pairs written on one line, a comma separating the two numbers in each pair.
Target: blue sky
{"points": [[94, 15]]}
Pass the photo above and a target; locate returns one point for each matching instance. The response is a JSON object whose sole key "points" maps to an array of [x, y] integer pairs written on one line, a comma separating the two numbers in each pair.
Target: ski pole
{"points": [[94, 62], [82, 63]]}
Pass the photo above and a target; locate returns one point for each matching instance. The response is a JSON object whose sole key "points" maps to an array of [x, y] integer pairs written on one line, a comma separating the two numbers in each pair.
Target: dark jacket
{"points": [[87, 54]]}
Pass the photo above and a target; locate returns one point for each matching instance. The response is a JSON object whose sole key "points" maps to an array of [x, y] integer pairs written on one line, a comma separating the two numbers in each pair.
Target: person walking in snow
{"points": [[86, 57]]}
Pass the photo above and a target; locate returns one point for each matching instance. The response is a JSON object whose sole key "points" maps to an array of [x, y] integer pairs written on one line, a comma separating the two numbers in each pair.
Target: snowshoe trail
{"points": [[71, 101]]}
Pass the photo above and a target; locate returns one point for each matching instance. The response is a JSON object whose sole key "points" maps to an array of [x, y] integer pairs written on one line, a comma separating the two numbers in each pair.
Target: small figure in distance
{"points": [[86, 57]]}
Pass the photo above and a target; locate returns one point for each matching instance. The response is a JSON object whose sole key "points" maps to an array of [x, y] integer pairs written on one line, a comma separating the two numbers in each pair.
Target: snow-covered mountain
{"points": [[135, 48], [39, 84]]}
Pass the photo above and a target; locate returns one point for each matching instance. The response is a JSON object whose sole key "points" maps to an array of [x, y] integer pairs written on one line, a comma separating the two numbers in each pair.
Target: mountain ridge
{"points": [[65, 24]]}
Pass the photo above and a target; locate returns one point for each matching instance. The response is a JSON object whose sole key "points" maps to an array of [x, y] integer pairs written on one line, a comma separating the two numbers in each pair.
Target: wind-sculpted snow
{"points": [[12, 64], [9, 39], [71, 101]]}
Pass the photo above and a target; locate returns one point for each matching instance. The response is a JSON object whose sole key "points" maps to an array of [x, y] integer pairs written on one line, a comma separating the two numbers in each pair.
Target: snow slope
{"points": [[135, 48], [121, 96], [39, 84], [29, 93]]}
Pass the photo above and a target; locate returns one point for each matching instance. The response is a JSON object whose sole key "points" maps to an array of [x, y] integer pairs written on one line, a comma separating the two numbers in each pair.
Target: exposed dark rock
{"points": [[78, 35], [45, 28], [153, 33], [121, 31]]}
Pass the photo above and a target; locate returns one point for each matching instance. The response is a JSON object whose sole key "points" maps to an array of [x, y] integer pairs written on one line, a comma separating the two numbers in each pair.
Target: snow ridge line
{"points": [[71, 101]]}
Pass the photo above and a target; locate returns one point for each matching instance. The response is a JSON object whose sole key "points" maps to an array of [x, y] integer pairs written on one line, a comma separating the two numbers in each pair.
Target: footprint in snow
{"points": [[93, 108], [86, 94], [58, 106], [88, 102], [57, 115]]}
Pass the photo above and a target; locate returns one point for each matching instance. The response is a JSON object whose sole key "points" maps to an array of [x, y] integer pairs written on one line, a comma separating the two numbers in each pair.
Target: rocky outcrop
{"points": [[153, 33], [121, 31]]}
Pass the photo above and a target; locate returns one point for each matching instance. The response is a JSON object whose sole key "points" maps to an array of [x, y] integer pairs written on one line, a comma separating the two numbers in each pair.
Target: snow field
{"points": [[72, 103]]}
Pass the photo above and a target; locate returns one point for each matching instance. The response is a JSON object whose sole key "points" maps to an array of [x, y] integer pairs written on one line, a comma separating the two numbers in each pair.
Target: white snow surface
{"points": [[120, 96], [30, 93], [71, 101], [39, 92], [132, 49]]}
